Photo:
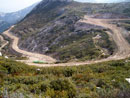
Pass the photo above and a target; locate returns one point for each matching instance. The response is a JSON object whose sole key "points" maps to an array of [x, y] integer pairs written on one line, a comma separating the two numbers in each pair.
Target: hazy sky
{"points": [[15, 5], [102, 1]]}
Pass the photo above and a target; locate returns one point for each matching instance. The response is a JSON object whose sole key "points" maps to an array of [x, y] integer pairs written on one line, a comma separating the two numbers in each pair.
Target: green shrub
{"points": [[117, 63], [64, 85], [101, 80], [69, 72]]}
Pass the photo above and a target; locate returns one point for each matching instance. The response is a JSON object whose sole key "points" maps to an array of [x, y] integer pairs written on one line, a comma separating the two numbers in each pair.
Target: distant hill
{"points": [[16, 16], [3, 25], [9, 19]]}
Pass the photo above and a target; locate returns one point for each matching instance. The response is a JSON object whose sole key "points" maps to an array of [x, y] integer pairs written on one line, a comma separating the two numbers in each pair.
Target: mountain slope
{"points": [[9, 19], [53, 28], [16, 16], [3, 25]]}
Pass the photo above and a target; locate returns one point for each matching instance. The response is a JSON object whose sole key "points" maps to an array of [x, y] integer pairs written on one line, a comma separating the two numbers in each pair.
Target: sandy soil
{"points": [[123, 50]]}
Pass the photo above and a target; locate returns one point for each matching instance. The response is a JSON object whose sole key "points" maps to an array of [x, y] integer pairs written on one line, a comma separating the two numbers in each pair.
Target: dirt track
{"points": [[4, 42], [122, 52], [31, 56], [116, 34]]}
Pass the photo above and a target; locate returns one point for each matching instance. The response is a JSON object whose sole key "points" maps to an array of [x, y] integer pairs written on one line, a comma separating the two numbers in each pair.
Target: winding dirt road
{"points": [[122, 52], [4, 42], [123, 46], [31, 56]]}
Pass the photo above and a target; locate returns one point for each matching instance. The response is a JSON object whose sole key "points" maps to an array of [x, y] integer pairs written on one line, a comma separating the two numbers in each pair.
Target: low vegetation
{"points": [[82, 47], [102, 80]]}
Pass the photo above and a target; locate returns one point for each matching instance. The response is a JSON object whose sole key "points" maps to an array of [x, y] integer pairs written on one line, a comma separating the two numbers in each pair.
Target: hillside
{"points": [[3, 25], [103, 80], [53, 28]]}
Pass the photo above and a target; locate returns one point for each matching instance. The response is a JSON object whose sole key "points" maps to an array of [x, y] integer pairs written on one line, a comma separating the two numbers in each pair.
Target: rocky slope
{"points": [[53, 28]]}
